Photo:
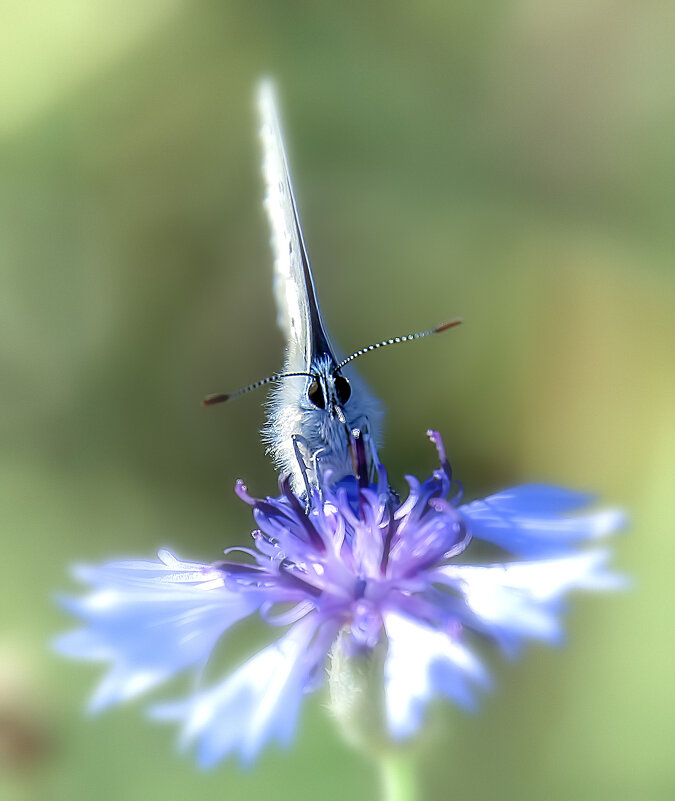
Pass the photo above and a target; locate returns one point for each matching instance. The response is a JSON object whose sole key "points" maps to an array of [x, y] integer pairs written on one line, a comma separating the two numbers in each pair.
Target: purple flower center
{"points": [[353, 552]]}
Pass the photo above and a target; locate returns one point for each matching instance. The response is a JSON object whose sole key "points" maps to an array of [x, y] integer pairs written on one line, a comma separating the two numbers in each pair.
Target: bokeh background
{"points": [[508, 162]]}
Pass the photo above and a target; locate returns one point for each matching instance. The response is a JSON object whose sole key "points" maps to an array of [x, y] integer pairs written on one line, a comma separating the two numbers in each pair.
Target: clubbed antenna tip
{"points": [[449, 324], [211, 400]]}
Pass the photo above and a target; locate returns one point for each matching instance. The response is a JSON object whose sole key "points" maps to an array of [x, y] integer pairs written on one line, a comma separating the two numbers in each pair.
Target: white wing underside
{"points": [[292, 280]]}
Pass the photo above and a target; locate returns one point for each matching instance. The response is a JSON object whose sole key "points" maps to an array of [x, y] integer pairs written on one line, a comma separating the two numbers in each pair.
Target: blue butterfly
{"points": [[319, 408]]}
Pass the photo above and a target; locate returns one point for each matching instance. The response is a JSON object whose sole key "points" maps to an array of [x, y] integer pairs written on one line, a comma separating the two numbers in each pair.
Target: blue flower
{"points": [[354, 566]]}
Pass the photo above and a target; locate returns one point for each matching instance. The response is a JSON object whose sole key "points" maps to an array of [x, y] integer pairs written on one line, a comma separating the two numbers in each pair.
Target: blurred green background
{"points": [[507, 162]]}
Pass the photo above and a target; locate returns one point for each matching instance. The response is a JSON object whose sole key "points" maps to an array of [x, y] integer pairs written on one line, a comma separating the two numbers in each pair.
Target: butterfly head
{"points": [[328, 390]]}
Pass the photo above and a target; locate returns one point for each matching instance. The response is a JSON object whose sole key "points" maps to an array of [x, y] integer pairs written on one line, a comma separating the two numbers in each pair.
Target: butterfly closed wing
{"points": [[312, 416]]}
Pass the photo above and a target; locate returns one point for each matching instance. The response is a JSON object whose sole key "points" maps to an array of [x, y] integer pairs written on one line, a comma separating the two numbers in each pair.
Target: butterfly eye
{"points": [[342, 389], [315, 395]]}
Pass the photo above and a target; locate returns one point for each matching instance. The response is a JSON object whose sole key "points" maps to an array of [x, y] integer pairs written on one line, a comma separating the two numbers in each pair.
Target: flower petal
{"points": [[258, 702], [150, 620], [528, 520], [522, 599], [422, 661]]}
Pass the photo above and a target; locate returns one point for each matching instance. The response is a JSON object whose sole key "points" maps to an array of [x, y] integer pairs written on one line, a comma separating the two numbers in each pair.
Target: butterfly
{"points": [[320, 412]]}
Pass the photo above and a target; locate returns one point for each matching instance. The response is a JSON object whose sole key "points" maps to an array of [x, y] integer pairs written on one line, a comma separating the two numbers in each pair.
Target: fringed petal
{"points": [[258, 703], [531, 520], [422, 662], [150, 620], [520, 600]]}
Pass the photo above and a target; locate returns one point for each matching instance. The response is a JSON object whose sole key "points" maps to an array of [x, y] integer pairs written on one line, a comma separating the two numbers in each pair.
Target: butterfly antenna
{"points": [[212, 400], [395, 341]]}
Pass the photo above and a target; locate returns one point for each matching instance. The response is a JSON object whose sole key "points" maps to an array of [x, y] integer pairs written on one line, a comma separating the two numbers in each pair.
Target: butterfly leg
{"points": [[318, 467], [299, 440]]}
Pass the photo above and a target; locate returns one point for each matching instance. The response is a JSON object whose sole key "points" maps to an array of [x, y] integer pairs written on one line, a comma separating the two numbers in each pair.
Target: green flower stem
{"points": [[398, 776], [357, 704]]}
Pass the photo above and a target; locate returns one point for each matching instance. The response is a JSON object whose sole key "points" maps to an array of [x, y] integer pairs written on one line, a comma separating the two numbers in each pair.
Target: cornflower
{"points": [[347, 573]]}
